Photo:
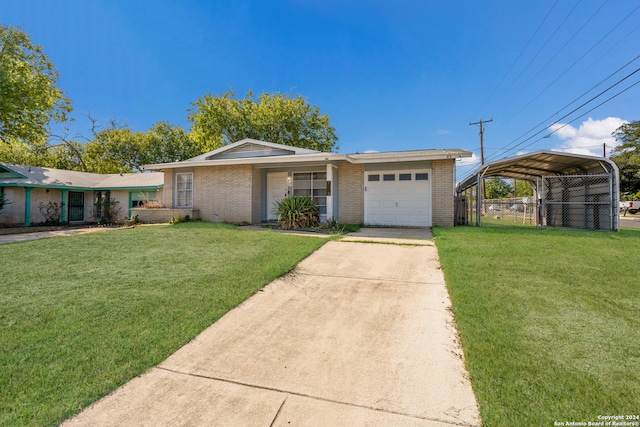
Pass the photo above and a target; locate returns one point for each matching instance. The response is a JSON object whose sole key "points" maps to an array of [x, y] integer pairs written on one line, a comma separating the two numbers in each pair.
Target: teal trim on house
{"points": [[130, 200], [27, 206], [63, 207]]}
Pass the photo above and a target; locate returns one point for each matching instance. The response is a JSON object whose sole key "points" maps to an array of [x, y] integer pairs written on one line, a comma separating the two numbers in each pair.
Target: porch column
{"points": [[330, 191], [27, 206], [63, 206]]}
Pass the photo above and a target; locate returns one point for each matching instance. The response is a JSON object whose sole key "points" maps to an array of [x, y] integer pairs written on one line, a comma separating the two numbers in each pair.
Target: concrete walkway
{"points": [[358, 334], [25, 237]]}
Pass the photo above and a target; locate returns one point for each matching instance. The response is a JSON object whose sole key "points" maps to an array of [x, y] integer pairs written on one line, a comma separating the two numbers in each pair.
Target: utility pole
{"points": [[481, 122], [483, 191]]}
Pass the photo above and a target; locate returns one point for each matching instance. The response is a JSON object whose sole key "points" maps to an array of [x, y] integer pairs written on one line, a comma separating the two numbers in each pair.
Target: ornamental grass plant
{"points": [[297, 212]]}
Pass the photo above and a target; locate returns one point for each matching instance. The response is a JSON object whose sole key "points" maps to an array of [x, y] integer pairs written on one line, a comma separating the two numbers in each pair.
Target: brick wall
{"points": [[223, 193], [256, 193], [443, 192], [351, 191], [167, 190]]}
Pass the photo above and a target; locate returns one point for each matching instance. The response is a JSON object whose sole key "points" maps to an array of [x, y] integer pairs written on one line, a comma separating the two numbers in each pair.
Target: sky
{"points": [[391, 75]]}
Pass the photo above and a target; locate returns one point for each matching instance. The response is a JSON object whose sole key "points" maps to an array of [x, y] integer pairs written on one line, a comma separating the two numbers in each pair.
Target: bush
{"points": [[297, 212], [52, 212], [3, 201]]}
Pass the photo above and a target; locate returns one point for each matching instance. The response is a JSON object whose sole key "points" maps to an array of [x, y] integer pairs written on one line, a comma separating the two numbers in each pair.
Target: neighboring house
{"points": [[26, 187], [241, 183]]}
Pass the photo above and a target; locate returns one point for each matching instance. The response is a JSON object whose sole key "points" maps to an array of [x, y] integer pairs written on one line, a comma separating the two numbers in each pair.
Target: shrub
{"points": [[105, 211], [52, 212], [3, 201], [297, 212]]}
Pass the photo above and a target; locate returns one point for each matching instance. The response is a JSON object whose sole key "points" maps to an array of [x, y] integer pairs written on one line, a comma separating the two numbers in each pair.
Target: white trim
{"points": [[315, 157], [177, 192]]}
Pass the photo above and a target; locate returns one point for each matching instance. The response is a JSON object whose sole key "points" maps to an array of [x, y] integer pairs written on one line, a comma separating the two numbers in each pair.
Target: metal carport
{"points": [[571, 190]]}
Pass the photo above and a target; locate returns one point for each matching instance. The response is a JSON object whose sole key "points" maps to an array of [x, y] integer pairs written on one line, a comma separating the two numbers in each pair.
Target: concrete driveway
{"points": [[359, 334]]}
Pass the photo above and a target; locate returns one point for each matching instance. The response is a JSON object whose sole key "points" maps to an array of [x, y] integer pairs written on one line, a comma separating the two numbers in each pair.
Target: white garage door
{"points": [[401, 197]]}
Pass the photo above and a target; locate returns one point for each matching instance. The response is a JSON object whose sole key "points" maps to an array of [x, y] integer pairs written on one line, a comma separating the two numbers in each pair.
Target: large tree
{"points": [[496, 188], [29, 97], [627, 156], [165, 143], [115, 150], [280, 118]]}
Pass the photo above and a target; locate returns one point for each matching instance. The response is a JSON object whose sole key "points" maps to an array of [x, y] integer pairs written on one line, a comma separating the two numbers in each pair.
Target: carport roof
{"points": [[535, 165]]}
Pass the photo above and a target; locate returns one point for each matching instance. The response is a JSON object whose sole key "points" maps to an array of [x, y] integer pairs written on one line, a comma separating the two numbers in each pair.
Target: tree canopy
{"points": [[627, 157], [29, 97], [30, 101], [279, 118], [496, 188]]}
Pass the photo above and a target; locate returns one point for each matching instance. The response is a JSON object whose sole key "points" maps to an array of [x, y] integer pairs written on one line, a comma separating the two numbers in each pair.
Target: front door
{"points": [[276, 190], [76, 206]]}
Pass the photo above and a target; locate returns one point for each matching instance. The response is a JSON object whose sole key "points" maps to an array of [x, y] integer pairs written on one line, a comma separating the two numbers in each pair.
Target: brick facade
{"points": [[224, 193], [442, 192], [351, 193]]}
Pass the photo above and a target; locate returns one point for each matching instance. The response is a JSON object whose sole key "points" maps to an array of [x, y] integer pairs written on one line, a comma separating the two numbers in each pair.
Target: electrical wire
{"points": [[537, 53], [519, 55], [583, 114], [508, 146], [580, 58], [513, 147]]}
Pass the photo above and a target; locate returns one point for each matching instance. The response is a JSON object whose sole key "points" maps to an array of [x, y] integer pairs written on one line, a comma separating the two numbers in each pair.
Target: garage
{"points": [[398, 197]]}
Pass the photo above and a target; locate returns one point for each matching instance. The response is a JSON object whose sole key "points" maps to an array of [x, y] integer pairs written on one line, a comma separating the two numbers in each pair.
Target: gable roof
{"points": [[251, 148], [251, 151], [33, 176]]}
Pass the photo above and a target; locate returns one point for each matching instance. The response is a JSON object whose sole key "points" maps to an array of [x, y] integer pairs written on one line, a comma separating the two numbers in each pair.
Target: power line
{"points": [[513, 147], [584, 114], [537, 53], [519, 55], [557, 52], [581, 57]]}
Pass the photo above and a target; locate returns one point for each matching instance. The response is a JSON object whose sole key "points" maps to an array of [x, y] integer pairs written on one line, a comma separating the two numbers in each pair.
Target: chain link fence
{"points": [[578, 201]]}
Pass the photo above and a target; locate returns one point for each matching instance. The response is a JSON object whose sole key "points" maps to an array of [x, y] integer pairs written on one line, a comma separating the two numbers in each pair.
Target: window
{"points": [[140, 198], [313, 184], [184, 187], [389, 177], [374, 178], [422, 176], [405, 177]]}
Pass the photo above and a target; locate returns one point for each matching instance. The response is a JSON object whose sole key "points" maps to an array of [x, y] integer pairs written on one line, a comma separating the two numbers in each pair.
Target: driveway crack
{"points": [[307, 396]]}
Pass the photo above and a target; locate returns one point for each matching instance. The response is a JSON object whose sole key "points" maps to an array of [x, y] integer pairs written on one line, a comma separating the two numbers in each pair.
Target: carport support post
{"points": [[479, 201], [27, 206], [480, 195]]}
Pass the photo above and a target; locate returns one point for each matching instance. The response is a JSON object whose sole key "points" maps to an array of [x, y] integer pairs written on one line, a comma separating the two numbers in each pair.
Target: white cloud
{"points": [[589, 137], [468, 161], [370, 151], [442, 132]]}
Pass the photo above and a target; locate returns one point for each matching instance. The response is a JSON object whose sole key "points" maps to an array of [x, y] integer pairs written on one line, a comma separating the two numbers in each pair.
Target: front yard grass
{"points": [[549, 321], [81, 315]]}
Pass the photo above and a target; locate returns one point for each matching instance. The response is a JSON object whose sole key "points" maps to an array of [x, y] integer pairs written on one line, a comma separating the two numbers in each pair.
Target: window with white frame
{"points": [[312, 184], [184, 189]]}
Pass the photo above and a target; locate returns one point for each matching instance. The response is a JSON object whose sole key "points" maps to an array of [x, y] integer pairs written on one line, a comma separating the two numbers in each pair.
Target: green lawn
{"points": [[549, 321], [81, 315]]}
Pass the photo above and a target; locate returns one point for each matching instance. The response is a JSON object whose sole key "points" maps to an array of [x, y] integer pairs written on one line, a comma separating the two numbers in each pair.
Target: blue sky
{"points": [[392, 75]]}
